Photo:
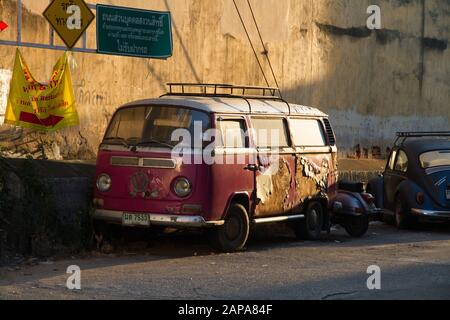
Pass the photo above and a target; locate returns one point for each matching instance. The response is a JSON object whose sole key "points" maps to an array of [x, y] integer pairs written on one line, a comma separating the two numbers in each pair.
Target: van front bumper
{"points": [[158, 219], [431, 213]]}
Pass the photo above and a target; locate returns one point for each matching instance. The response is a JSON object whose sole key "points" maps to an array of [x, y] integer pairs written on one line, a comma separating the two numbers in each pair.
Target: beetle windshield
{"points": [[155, 125], [437, 158]]}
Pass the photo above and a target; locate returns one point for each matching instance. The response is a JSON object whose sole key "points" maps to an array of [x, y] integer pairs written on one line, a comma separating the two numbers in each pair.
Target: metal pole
{"points": [[19, 22], [18, 42], [52, 37], [51, 32], [45, 46]]}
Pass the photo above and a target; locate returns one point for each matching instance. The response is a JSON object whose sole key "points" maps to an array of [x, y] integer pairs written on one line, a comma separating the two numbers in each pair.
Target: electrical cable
{"points": [[251, 43], [266, 52]]}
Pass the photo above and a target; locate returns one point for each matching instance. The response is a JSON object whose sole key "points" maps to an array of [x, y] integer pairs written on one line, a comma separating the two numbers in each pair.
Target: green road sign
{"points": [[134, 32]]}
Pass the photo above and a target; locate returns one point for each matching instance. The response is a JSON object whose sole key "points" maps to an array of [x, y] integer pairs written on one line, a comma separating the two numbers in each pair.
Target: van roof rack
{"points": [[415, 134], [226, 91], [214, 89], [420, 134]]}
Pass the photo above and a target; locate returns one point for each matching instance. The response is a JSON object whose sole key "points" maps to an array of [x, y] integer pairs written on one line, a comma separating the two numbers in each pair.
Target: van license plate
{"points": [[142, 220]]}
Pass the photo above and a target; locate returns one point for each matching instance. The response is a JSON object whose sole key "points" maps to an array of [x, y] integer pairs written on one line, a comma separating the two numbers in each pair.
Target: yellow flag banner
{"points": [[45, 107]]}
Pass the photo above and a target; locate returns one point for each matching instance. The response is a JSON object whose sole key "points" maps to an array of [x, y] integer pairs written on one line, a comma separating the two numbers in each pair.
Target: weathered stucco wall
{"points": [[371, 83]]}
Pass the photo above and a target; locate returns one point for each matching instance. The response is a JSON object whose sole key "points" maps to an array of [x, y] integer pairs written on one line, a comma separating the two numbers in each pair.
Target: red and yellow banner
{"points": [[45, 107]]}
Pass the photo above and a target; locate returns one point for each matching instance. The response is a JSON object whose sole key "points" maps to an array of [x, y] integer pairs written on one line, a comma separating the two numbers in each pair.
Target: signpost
{"points": [[120, 30], [69, 18], [134, 32]]}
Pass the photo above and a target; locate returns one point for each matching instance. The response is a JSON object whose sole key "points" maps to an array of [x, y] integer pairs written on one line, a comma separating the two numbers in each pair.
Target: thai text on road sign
{"points": [[134, 32], [45, 107]]}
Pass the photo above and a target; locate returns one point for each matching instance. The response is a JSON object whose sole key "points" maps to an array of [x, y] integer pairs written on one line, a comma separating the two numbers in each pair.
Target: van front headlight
{"points": [[182, 187], [104, 183]]}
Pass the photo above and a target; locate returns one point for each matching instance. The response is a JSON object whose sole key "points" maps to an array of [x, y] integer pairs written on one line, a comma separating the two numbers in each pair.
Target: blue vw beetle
{"points": [[415, 185]]}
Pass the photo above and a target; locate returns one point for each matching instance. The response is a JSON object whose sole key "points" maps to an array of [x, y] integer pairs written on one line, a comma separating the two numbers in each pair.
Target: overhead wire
{"points": [[251, 43], [266, 52]]}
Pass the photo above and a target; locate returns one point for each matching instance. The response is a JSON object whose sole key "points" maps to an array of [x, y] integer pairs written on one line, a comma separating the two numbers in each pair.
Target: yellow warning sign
{"points": [[69, 18]]}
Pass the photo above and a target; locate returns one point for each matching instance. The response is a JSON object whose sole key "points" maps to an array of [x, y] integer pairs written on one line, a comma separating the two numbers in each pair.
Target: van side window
{"points": [[233, 133], [402, 162], [270, 133], [307, 133]]}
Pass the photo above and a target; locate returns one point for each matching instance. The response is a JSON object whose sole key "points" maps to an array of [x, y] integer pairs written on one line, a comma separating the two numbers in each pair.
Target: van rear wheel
{"points": [[233, 234], [310, 227]]}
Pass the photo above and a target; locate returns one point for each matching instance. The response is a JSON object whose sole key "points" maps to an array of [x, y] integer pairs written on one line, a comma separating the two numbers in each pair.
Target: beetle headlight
{"points": [[104, 182], [182, 187]]}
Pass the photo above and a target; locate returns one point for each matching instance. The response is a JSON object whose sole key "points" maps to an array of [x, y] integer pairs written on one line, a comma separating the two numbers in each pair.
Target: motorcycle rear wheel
{"points": [[357, 226]]}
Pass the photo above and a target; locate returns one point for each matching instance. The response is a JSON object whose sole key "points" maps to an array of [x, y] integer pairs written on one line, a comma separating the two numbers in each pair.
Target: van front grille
{"points": [[143, 162], [159, 163], [125, 161]]}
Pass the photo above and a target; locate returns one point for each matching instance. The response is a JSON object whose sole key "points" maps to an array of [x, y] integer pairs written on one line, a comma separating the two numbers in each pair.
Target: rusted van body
{"points": [[140, 182]]}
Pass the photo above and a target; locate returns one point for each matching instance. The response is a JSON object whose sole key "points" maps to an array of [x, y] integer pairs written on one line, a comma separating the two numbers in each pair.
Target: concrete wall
{"points": [[44, 206], [371, 83]]}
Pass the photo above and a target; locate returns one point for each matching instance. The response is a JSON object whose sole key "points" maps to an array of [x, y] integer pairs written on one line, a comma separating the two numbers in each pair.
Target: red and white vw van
{"points": [[217, 157]]}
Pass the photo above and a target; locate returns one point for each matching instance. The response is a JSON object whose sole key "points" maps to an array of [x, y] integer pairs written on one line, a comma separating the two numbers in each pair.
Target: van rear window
{"points": [[270, 133], [437, 158], [154, 125], [307, 133]]}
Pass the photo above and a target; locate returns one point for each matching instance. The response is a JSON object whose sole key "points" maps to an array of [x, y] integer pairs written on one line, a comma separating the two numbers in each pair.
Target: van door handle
{"points": [[252, 167]]}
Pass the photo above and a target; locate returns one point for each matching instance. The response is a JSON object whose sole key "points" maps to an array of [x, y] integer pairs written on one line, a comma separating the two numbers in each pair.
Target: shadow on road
{"points": [[139, 249], [407, 282], [267, 237]]}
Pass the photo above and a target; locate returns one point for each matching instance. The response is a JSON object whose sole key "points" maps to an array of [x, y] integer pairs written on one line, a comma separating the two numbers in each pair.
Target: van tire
{"points": [[311, 226], [233, 234]]}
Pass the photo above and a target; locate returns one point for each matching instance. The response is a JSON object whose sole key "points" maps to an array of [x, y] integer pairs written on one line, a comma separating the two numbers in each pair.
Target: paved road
{"points": [[415, 265]]}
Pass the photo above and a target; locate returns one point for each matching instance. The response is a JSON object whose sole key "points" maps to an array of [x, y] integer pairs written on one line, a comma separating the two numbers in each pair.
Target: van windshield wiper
{"points": [[121, 140], [150, 141]]}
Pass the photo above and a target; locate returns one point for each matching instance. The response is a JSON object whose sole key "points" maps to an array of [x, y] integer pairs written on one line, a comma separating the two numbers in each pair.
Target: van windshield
{"points": [[155, 125]]}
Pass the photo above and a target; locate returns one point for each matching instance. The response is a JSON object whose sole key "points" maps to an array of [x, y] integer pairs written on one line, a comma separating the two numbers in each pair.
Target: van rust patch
{"points": [[273, 189], [311, 180]]}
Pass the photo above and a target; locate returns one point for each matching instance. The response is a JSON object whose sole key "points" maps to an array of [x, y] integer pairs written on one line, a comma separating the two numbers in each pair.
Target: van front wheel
{"points": [[233, 234]]}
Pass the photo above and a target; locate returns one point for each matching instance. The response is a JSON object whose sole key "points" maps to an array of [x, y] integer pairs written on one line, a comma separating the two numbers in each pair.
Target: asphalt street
{"points": [[415, 264]]}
